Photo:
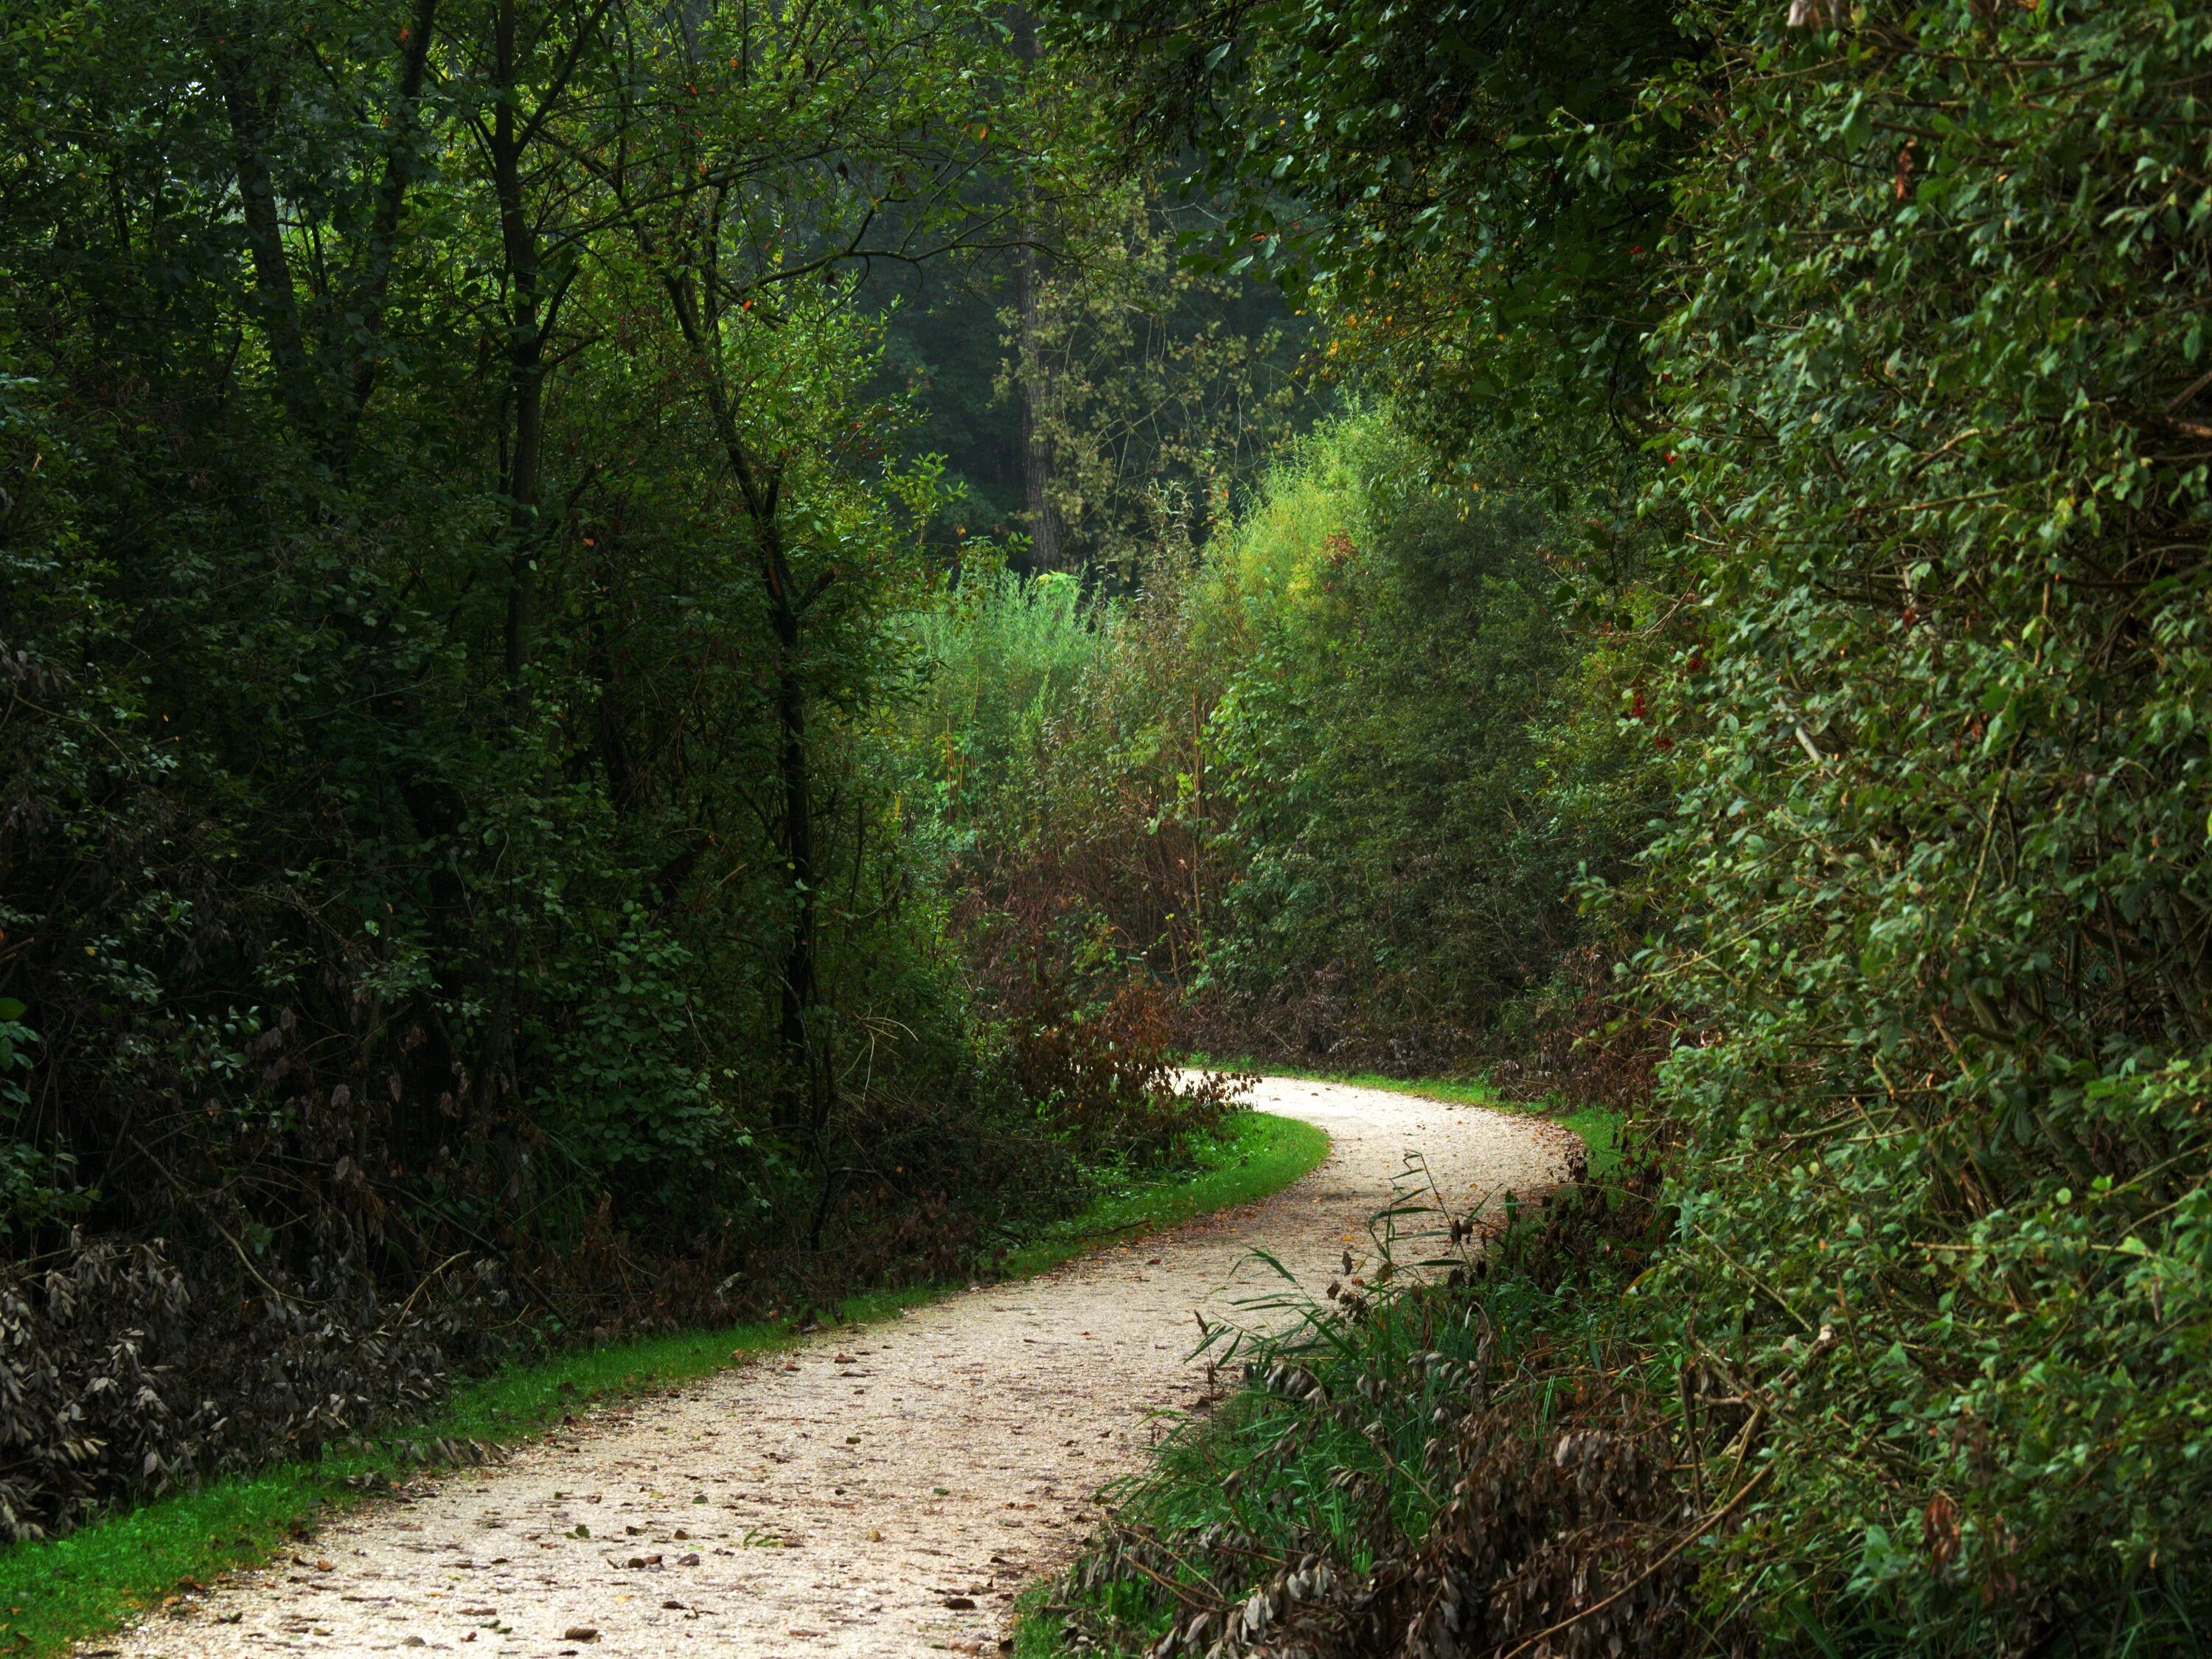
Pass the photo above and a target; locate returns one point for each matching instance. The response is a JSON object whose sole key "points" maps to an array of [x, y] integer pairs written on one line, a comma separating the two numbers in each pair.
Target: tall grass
{"points": [[1000, 657]]}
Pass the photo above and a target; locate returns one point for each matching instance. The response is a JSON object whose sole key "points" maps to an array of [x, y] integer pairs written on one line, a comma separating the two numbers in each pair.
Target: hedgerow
{"points": [[1919, 295], [1939, 867]]}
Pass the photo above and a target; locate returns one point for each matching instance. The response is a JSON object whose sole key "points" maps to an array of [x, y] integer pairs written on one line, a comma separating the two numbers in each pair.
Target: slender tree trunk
{"points": [[525, 349], [324, 402], [384, 226], [793, 771], [1036, 454], [252, 108], [1045, 550], [526, 388], [806, 1107]]}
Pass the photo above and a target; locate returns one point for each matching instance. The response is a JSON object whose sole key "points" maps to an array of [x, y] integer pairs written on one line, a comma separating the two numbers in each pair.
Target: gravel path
{"points": [[880, 1492]]}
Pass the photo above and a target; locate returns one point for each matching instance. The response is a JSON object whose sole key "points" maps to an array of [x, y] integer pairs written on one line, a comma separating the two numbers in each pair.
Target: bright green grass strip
{"points": [[1256, 1154], [1600, 1129], [1036, 1626], [57, 1592]]}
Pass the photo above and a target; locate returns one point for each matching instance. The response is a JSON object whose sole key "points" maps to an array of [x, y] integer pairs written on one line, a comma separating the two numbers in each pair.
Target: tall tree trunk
{"points": [[526, 358], [383, 225], [1045, 549], [323, 402], [251, 105], [526, 388], [800, 987], [805, 1107]]}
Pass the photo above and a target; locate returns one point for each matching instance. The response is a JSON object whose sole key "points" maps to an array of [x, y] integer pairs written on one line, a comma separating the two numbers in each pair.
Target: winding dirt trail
{"points": [[881, 1491]]}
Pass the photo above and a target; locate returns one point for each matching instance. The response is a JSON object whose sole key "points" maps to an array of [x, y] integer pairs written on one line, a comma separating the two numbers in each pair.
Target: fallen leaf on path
{"points": [[961, 1603], [580, 1633]]}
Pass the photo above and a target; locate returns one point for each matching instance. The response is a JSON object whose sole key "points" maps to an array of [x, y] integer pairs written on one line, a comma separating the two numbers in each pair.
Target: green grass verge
{"points": [[56, 1592], [1600, 1129], [1256, 1153], [1281, 1497]]}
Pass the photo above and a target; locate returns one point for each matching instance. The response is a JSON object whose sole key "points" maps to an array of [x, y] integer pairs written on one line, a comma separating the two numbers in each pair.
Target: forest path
{"points": [[880, 1492]]}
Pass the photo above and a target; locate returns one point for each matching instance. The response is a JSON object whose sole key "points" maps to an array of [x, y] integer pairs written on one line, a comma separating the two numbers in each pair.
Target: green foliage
{"points": [[1155, 393], [455, 882], [1417, 759], [1923, 392], [1460, 187], [1336, 779], [1423, 1468], [1939, 861], [1001, 658]]}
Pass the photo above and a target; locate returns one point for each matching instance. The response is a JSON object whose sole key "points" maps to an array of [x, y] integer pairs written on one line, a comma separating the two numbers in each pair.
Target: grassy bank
{"points": [[1355, 1471], [1258, 1153], [57, 1592], [1600, 1129]]}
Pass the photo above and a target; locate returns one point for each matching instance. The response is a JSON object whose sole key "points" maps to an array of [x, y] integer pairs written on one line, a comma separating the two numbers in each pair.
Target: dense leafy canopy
{"points": [[523, 762], [1459, 186], [1936, 361]]}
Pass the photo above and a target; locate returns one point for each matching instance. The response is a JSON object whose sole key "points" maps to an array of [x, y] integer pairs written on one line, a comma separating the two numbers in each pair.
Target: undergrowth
{"points": [[56, 1592], [1433, 1465]]}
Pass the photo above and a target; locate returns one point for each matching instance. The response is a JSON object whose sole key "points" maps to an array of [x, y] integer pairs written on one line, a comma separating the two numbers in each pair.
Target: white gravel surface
{"points": [[882, 1490]]}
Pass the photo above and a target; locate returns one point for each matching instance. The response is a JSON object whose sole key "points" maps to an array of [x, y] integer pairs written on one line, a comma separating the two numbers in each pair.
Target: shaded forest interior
{"points": [[659, 661]]}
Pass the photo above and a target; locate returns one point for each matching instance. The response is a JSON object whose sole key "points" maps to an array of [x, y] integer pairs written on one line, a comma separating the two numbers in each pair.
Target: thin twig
{"points": [[1680, 1544]]}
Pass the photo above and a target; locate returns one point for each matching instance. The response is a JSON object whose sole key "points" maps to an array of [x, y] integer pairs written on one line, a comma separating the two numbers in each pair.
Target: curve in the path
{"points": [[880, 1492]]}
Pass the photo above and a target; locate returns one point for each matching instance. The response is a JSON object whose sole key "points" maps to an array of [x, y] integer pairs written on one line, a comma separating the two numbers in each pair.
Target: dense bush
{"points": [[1940, 865], [455, 878], [1335, 778], [1920, 404], [1430, 1469], [1418, 753]]}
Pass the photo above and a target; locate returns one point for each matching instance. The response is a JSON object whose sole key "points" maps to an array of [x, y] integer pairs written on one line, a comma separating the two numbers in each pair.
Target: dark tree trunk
{"points": [[250, 103], [384, 227], [525, 401], [800, 989], [323, 398], [1045, 550], [525, 387]]}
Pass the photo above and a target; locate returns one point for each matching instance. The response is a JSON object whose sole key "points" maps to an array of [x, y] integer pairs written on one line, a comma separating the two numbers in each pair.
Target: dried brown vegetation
{"points": [[1428, 1470]]}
